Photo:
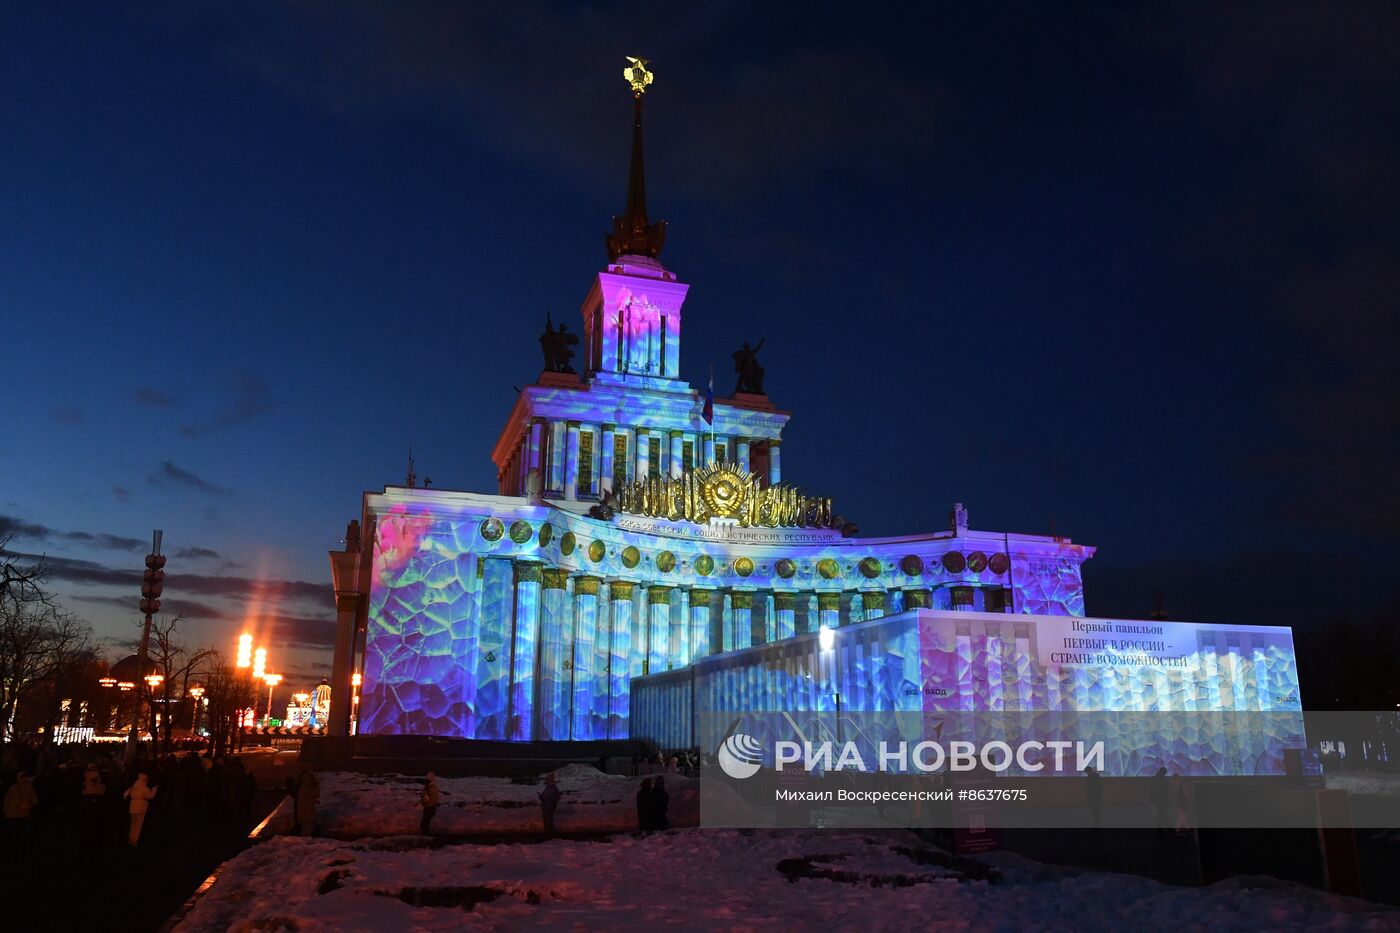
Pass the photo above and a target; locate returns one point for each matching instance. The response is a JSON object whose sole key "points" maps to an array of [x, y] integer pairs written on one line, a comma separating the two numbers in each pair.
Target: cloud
{"points": [[177, 583], [121, 493], [33, 531], [251, 397], [67, 415], [171, 475], [197, 553], [153, 397], [276, 629]]}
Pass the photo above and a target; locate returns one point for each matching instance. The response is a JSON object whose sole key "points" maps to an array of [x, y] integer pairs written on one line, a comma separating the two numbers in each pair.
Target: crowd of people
{"points": [[684, 761], [112, 797]]}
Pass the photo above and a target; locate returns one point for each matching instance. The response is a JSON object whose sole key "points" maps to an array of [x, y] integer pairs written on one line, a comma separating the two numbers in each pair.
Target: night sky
{"points": [[1132, 277]]}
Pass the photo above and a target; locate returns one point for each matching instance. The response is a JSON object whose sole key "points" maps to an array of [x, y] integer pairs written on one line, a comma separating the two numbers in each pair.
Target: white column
{"points": [[700, 626], [775, 470], [709, 449], [642, 453], [676, 456], [585, 651], [571, 463], [605, 461], [743, 453], [556, 435]]}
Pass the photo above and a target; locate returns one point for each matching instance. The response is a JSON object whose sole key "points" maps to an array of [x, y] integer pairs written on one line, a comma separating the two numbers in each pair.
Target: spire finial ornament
{"points": [[633, 234], [637, 75]]}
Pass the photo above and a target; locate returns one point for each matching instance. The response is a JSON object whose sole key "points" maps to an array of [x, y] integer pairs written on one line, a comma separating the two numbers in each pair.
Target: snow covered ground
{"points": [[393, 879], [724, 879], [354, 805]]}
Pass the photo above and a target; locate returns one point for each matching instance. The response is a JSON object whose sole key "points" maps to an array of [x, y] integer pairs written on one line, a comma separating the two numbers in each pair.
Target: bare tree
{"points": [[38, 641], [176, 664], [229, 692]]}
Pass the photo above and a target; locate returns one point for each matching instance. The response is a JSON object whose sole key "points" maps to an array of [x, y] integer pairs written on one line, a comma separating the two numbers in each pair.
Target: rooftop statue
{"points": [[556, 344], [750, 373]]}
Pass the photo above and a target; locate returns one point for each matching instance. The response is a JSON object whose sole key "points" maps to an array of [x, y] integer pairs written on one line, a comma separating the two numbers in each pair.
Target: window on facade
{"points": [[653, 456], [619, 461], [585, 463], [688, 456], [661, 362]]}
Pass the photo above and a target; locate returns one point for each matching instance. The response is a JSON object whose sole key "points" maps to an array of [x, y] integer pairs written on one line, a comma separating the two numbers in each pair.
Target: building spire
{"points": [[633, 234]]}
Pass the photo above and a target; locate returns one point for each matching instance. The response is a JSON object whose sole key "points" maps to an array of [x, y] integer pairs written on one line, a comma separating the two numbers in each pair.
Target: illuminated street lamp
{"points": [[272, 680], [107, 681], [126, 686], [245, 650], [197, 692], [154, 681], [259, 663]]}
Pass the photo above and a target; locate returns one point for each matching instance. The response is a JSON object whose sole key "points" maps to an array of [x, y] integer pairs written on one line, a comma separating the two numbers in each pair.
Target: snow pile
{"points": [[723, 879], [354, 805], [1370, 783]]}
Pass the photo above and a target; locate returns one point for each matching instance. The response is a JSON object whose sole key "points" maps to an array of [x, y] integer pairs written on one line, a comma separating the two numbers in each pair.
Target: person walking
{"points": [[308, 794], [1093, 794], [1181, 799], [644, 806], [1161, 800], [429, 801], [20, 801], [140, 794], [549, 802], [660, 802], [90, 808]]}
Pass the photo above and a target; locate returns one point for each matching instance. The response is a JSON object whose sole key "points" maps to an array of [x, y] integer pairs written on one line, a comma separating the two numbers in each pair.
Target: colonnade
{"points": [[577, 459], [556, 651]]}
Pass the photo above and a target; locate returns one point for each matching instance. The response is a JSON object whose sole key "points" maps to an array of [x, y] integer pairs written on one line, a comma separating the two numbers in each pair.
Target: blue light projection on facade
{"points": [[616, 548], [947, 675]]}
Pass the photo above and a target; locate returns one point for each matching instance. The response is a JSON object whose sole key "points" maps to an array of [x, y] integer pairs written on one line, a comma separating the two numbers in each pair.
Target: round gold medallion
{"points": [[704, 565], [743, 566], [567, 543], [666, 561], [631, 557], [492, 529], [596, 550], [828, 568]]}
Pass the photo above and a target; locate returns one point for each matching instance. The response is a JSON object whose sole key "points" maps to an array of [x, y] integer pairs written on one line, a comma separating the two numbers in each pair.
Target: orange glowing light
{"points": [[259, 663], [245, 650]]}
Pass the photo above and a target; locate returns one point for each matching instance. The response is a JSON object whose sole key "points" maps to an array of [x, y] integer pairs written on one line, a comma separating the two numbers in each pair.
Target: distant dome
{"points": [[128, 667]]}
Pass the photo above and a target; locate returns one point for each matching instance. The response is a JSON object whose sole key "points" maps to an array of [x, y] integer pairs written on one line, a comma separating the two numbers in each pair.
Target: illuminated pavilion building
{"points": [[643, 540]]}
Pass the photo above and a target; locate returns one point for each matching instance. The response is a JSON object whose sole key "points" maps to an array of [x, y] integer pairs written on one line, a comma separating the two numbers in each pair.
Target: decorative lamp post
{"points": [[243, 663], [355, 681], [272, 680], [152, 682], [197, 693]]}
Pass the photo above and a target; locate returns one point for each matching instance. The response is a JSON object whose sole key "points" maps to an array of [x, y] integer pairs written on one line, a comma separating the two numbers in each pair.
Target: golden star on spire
{"points": [[637, 75]]}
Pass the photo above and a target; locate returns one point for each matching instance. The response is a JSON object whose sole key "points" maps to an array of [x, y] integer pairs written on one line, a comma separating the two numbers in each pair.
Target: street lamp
{"points": [[153, 681], [272, 680], [259, 663], [245, 650], [197, 691]]}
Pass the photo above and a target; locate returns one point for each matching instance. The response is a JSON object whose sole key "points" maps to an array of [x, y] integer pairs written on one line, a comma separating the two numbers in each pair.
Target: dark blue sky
{"points": [[1130, 274]]}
